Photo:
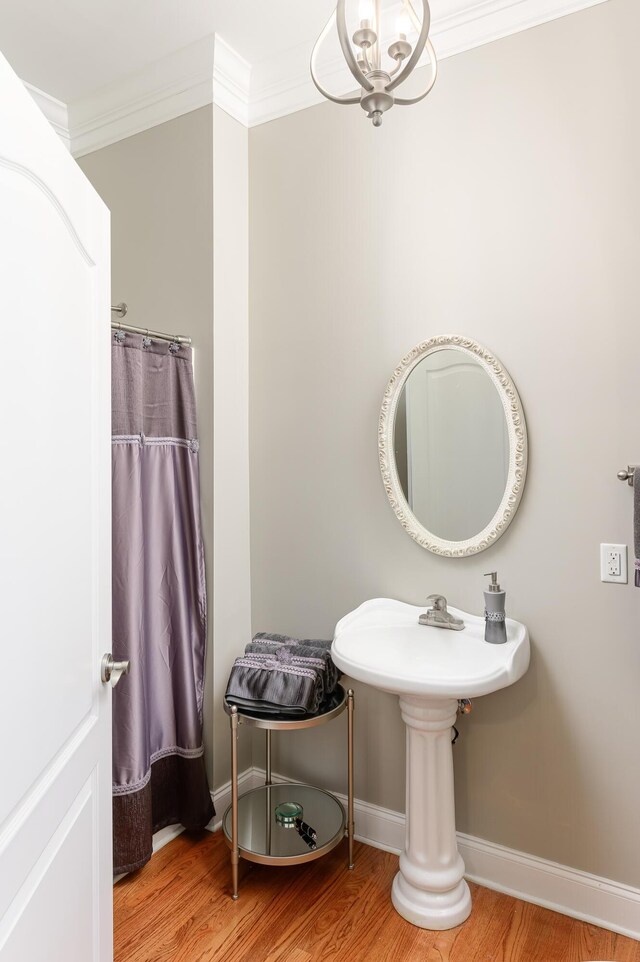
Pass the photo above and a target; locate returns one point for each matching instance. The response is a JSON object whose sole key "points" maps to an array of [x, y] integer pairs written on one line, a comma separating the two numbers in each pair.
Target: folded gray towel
{"points": [[277, 639], [636, 523], [288, 640], [265, 646], [290, 655], [317, 643], [268, 685]]}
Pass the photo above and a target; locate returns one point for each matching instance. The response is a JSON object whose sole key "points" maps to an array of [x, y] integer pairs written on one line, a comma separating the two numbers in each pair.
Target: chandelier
{"points": [[379, 78]]}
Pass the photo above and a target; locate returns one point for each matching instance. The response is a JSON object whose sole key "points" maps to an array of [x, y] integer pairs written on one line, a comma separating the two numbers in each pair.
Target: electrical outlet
{"points": [[613, 563]]}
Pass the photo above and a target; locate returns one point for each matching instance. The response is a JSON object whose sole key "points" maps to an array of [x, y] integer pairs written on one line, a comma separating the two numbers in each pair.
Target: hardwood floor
{"points": [[178, 909]]}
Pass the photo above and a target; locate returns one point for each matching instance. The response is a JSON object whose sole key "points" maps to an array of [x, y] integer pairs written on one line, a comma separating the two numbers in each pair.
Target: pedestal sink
{"points": [[382, 644]]}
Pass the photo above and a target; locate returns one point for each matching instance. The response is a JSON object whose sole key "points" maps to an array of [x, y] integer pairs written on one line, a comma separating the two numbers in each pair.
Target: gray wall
{"points": [[159, 186], [505, 207]]}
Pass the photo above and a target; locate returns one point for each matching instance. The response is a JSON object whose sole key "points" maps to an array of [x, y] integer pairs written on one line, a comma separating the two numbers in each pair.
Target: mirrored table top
{"points": [[262, 837]]}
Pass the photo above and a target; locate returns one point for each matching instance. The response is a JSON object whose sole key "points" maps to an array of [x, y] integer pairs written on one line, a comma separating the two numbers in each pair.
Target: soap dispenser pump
{"points": [[495, 630]]}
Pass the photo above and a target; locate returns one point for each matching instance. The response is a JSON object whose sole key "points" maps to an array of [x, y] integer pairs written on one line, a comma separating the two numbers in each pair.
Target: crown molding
{"points": [[55, 111], [282, 85], [211, 71], [231, 81], [487, 20], [205, 72], [161, 91]]}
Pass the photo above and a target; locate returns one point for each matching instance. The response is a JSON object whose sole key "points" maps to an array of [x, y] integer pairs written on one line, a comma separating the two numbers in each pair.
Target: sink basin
{"points": [[382, 644]]}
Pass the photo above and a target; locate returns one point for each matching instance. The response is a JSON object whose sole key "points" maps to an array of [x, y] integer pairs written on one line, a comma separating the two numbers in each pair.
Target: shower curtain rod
{"points": [[122, 309]]}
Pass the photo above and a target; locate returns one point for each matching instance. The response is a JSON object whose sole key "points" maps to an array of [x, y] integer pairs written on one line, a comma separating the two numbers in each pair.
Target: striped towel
{"points": [[267, 684], [263, 644]]}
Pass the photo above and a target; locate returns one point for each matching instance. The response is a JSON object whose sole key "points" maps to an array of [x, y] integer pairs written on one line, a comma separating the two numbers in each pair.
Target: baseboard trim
{"points": [[221, 797], [166, 835], [599, 901], [159, 840], [593, 899]]}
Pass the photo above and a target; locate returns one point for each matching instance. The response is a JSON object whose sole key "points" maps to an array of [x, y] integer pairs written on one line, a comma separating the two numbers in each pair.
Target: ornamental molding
{"points": [[211, 71], [282, 84], [518, 448]]}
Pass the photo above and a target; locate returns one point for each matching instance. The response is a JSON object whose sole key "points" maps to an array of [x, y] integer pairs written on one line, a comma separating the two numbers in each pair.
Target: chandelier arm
{"points": [[347, 49], [411, 10], [349, 99], [407, 101], [417, 50]]}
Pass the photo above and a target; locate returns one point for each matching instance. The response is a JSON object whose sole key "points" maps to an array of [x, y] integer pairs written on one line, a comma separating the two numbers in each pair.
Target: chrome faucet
{"points": [[438, 617]]}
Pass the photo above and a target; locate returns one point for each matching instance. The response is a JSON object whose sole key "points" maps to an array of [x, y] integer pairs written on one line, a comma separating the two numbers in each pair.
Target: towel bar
{"points": [[628, 474]]}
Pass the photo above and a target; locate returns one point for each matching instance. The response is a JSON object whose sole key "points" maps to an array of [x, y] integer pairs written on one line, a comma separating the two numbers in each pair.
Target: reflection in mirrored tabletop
{"points": [[262, 834]]}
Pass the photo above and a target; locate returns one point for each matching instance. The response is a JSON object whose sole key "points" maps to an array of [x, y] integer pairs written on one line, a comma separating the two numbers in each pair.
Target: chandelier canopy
{"points": [[379, 77]]}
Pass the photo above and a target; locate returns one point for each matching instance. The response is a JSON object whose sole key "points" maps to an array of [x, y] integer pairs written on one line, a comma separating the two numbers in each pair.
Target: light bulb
{"points": [[365, 11], [403, 24]]}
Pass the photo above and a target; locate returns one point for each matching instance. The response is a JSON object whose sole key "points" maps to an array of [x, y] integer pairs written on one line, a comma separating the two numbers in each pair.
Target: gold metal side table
{"points": [[252, 827]]}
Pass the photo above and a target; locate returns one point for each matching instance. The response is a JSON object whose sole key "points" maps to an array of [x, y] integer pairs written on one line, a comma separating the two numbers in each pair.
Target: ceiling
{"points": [[117, 67], [70, 48]]}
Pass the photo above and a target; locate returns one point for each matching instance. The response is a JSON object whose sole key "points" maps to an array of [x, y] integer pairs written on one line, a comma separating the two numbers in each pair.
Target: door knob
{"points": [[112, 671]]}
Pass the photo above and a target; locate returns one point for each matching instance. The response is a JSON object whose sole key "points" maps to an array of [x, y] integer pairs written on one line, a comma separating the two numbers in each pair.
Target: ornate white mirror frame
{"points": [[516, 432]]}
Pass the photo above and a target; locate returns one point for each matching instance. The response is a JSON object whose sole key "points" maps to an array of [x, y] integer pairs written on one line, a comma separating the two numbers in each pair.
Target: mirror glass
{"points": [[451, 444]]}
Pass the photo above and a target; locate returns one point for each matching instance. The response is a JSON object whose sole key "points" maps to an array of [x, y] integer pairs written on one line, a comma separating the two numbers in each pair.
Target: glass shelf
{"points": [[262, 839]]}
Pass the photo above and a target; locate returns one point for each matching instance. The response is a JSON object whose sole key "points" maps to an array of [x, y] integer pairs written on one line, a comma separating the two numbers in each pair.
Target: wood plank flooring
{"points": [[178, 909]]}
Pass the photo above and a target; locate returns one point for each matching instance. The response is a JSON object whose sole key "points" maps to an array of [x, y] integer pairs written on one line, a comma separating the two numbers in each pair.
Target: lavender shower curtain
{"points": [[159, 599]]}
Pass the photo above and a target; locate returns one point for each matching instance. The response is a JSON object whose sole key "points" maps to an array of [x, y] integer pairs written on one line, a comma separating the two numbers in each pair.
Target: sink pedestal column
{"points": [[429, 890]]}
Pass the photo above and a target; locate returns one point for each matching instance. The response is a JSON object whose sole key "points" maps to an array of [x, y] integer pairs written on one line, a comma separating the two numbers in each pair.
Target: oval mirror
{"points": [[453, 446]]}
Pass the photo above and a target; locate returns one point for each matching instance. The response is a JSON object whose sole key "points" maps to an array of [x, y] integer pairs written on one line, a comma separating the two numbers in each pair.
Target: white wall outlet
{"points": [[613, 563]]}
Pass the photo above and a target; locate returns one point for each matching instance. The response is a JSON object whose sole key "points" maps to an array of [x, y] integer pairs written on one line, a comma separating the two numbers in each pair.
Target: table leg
{"points": [[268, 763], [235, 851], [350, 819]]}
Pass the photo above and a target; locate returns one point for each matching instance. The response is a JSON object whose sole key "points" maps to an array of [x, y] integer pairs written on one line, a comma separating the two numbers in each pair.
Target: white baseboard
{"points": [[166, 835], [222, 796], [159, 840], [596, 900], [599, 901]]}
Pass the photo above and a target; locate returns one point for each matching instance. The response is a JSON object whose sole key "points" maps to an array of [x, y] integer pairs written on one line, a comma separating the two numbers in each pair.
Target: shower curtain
{"points": [[159, 599]]}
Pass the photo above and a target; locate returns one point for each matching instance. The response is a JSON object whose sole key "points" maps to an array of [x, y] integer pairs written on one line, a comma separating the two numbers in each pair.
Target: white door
{"points": [[55, 619]]}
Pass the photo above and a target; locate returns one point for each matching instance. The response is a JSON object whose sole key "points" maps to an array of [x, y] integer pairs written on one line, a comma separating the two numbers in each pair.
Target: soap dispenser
{"points": [[495, 631]]}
